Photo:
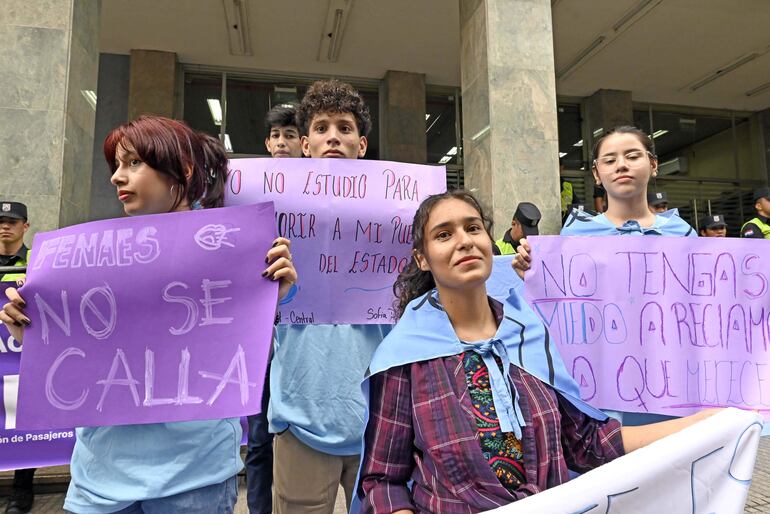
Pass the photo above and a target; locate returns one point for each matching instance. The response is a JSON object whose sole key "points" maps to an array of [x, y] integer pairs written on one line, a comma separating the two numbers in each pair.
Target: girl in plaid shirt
{"points": [[448, 411]]}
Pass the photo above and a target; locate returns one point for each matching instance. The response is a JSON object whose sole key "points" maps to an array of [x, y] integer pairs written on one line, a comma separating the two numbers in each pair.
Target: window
{"points": [[238, 116], [444, 143], [440, 129], [570, 138], [247, 105], [202, 103], [706, 164]]}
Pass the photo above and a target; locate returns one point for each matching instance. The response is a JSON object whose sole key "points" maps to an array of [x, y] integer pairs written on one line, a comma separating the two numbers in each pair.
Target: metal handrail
{"points": [[12, 269]]}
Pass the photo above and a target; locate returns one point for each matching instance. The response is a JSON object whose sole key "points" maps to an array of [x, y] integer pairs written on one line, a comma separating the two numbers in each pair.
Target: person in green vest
{"points": [[13, 252], [13, 226], [523, 224], [568, 196], [758, 227], [567, 193]]}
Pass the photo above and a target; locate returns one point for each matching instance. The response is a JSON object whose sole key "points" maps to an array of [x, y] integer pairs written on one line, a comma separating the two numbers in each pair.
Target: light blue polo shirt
{"points": [[315, 384], [113, 467], [582, 223]]}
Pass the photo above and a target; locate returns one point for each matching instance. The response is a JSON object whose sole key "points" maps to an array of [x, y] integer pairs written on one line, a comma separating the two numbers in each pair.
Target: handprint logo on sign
{"points": [[213, 237]]}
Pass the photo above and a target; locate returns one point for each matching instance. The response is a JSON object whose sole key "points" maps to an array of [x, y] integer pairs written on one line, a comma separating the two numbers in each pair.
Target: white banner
{"points": [[703, 469], [10, 386]]}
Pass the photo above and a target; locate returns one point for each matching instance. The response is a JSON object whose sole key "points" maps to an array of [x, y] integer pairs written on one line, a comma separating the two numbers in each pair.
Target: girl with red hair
{"points": [[160, 165]]}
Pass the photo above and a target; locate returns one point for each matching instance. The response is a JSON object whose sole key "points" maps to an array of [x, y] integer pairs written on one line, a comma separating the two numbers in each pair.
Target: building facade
{"points": [[498, 91]]}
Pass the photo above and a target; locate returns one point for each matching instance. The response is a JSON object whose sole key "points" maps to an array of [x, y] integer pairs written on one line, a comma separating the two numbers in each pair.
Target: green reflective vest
{"points": [[505, 247], [762, 225], [13, 277], [566, 195]]}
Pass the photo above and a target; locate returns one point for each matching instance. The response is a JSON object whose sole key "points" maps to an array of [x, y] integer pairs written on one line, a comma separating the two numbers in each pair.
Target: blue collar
{"points": [[424, 332], [582, 223]]}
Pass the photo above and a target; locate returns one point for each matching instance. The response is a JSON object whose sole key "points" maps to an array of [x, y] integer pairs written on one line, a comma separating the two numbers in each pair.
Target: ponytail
{"points": [[213, 171]]}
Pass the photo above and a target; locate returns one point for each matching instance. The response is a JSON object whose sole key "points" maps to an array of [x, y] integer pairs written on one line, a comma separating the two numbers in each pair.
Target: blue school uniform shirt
{"points": [[315, 384], [113, 467], [581, 223]]}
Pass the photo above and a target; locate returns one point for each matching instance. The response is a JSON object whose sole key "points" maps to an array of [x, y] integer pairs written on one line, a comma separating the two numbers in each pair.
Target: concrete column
{"points": [[49, 54], [608, 108], [602, 111], [402, 117], [760, 142], [111, 111], [510, 137], [152, 84]]}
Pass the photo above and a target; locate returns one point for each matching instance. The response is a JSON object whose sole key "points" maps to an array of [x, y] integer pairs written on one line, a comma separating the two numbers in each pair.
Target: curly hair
{"points": [[413, 282], [336, 97]]}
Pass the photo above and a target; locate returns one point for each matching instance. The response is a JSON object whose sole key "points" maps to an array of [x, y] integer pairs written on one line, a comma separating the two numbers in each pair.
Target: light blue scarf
{"points": [[424, 332], [504, 393]]}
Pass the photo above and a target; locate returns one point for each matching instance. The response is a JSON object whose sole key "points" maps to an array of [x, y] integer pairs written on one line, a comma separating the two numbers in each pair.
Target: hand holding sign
{"points": [[175, 299], [657, 324], [12, 315], [522, 260], [281, 267], [18, 448], [350, 224]]}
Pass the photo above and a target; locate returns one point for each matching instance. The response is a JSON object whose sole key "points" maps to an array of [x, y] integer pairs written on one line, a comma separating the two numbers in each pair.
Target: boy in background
{"points": [[316, 405], [283, 139]]}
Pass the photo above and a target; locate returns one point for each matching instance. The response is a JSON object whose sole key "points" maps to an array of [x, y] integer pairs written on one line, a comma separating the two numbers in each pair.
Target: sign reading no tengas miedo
{"points": [[148, 319], [655, 324], [350, 224]]}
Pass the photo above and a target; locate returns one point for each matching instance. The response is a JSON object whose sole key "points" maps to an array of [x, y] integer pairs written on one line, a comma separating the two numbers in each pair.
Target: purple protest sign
{"points": [[21, 449], [148, 319], [350, 224], [657, 324]]}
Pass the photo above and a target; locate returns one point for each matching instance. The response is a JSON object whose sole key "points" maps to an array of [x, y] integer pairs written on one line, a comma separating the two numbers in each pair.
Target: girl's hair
{"points": [[171, 147], [625, 129], [413, 282]]}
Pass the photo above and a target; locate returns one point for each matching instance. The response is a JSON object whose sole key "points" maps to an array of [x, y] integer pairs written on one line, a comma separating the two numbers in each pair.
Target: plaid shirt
{"points": [[421, 428]]}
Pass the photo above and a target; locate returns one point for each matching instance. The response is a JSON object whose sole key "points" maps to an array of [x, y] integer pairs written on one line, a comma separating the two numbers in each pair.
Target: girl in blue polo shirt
{"points": [[160, 165], [623, 163]]}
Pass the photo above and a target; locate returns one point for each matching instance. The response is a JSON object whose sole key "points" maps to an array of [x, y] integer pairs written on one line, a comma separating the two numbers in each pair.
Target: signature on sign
{"points": [[213, 237]]}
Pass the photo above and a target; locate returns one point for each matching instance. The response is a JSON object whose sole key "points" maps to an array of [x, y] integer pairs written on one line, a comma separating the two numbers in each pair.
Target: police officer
{"points": [[13, 252], [600, 199], [759, 226], [713, 226], [567, 191], [13, 226], [523, 224], [657, 202]]}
